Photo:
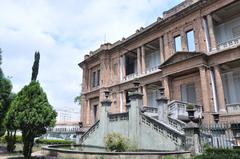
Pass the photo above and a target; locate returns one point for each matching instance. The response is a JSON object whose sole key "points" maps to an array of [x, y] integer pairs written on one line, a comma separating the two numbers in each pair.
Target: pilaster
{"points": [[220, 90]]}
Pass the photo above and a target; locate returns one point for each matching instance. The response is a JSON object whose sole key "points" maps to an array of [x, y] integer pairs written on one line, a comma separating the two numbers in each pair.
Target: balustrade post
{"points": [[106, 104], [162, 106], [134, 114], [192, 134]]}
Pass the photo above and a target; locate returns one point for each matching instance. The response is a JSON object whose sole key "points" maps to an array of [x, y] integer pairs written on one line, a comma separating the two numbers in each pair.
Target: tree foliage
{"points": [[35, 66], [31, 113], [5, 96]]}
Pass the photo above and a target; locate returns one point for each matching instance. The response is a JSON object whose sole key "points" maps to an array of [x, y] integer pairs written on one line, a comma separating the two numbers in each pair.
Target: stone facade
{"points": [[194, 76]]}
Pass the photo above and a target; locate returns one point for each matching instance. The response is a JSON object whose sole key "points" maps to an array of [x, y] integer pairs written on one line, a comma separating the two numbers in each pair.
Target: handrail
{"points": [[150, 109], [91, 129], [118, 116], [160, 127]]}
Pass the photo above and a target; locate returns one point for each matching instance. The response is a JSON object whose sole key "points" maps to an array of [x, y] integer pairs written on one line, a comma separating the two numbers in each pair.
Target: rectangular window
{"points": [[98, 78], [93, 79], [178, 43], [190, 41], [188, 93], [115, 66], [231, 86]]}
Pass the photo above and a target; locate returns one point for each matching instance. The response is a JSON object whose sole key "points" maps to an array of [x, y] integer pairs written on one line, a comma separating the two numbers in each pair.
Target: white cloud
{"points": [[63, 31]]}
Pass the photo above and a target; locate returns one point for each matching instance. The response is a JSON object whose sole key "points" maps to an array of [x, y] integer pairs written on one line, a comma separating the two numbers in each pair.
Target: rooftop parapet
{"points": [[178, 8], [105, 46]]}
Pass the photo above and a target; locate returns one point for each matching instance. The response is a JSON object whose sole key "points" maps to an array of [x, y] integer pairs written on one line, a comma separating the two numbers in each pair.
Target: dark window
{"points": [[93, 79], [98, 77], [188, 93]]}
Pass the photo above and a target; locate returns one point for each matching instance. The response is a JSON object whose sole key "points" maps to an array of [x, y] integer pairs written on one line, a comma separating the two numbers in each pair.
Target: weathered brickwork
{"points": [[120, 63]]}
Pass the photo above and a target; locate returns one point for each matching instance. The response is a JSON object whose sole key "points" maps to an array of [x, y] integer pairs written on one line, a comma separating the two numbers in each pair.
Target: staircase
{"points": [[92, 129]]}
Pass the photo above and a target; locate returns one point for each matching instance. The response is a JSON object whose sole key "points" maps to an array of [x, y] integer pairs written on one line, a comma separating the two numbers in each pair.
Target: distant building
{"points": [[64, 115], [66, 127]]}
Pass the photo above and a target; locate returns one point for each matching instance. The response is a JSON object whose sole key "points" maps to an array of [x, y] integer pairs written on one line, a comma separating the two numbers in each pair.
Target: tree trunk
{"points": [[28, 139]]}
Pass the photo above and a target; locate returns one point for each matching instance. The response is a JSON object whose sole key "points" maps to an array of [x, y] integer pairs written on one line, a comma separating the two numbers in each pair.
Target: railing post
{"points": [[192, 134], [106, 104], [134, 114], [162, 106]]}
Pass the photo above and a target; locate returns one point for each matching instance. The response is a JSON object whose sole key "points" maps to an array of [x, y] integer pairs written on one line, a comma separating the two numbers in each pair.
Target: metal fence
{"points": [[220, 135]]}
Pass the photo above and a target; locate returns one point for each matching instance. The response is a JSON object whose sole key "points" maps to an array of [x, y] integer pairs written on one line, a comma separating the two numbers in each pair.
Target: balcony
{"points": [[229, 44], [226, 22], [233, 108], [130, 76], [177, 110]]}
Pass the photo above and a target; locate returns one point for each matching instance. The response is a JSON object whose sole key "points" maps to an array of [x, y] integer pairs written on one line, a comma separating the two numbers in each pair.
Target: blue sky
{"points": [[63, 31]]}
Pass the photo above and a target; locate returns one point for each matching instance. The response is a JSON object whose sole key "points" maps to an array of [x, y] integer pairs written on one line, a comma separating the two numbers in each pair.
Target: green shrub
{"points": [[3, 139], [213, 153], [190, 106], [116, 142], [169, 157], [52, 142]]}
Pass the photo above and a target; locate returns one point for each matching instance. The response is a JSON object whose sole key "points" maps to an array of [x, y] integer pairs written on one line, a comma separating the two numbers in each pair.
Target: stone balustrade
{"points": [[177, 109], [229, 43], [233, 108]]}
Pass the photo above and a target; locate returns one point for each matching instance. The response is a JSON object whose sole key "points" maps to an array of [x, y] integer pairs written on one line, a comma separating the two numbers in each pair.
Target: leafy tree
{"points": [[5, 97], [32, 113]]}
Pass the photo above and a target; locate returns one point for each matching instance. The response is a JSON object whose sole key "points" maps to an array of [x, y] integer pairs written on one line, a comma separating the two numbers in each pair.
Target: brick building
{"points": [[193, 52]]}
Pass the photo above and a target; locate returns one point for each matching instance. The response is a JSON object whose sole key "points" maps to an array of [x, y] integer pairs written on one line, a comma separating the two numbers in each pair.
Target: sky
{"points": [[63, 31]]}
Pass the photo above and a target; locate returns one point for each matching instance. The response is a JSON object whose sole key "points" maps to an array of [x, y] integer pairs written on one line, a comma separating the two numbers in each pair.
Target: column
{"points": [[144, 95], [220, 90], [206, 33], [166, 87], [211, 33], [167, 50], [139, 60], [204, 87], [88, 115], [161, 50], [121, 102], [83, 109], [184, 41], [143, 59]]}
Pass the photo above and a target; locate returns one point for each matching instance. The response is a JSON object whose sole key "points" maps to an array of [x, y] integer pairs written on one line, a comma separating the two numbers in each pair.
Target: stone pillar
{"points": [[162, 107], [144, 95], [134, 116], [220, 90], [166, 87], [83, 109], [143, 59], [88, 115], [139, 60], [211, 33], [161, 50], [184, 41], [167, 50], [205, 90], [106, 104], [192, 135]]}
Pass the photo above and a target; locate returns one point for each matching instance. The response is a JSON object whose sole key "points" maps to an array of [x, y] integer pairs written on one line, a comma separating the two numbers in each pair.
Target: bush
{"points": [[52, 142], [116, 142], [213, 153], [3, 139]]}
